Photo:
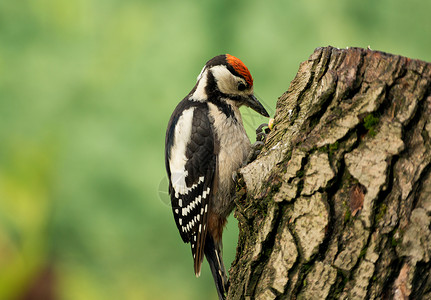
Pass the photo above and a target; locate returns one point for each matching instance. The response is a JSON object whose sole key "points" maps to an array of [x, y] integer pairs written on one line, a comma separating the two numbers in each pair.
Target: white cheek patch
{"points": [[226, 82]]}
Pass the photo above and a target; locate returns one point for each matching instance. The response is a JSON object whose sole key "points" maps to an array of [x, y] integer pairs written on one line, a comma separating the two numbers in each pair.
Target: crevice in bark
{"points": [[305, 268], [258, 266], [325, 59], [383, 194], [395, 268], [339, 285], [293, 270], [300, 176], [331, 190], [301, 94], [420, 279], [407, 137], [417, 116], [325, 103], [419, 184], [350, 93]]}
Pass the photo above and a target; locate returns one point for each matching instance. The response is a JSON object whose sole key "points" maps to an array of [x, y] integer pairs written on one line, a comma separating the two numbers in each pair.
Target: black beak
{"points": [[254, 104]]}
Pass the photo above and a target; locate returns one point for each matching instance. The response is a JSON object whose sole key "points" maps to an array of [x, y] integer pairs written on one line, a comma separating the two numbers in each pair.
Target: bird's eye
{"points": [[241, 86]]}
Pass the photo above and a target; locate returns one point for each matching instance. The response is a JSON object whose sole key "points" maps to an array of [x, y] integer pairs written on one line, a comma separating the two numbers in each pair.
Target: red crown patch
{"points": [[240, 68]]}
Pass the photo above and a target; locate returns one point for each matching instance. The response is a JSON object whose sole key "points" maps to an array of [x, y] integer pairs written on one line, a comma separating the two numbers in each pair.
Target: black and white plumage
{"points": [[205, 143]]}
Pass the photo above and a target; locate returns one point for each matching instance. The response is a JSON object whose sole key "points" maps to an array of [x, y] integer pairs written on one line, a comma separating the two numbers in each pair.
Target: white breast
{"points": [[234, 149]]}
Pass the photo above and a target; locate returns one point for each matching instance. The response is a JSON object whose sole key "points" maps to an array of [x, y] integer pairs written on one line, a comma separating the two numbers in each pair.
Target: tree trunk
{"points": [[338, 204]]}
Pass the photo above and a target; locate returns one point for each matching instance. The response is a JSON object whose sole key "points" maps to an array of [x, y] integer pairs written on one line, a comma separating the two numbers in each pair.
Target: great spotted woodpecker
{"points": [[205, 144]]}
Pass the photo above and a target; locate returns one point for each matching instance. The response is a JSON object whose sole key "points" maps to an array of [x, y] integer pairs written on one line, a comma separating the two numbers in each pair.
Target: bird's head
{"points": [[226, 77]]}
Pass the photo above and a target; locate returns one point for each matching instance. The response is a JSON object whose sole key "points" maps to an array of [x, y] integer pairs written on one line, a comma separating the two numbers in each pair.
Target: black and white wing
{"points": [[190, 163]]}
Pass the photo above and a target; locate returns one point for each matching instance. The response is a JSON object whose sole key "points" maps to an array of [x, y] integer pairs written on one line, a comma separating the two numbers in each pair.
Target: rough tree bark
{"points": [[338, 204]]}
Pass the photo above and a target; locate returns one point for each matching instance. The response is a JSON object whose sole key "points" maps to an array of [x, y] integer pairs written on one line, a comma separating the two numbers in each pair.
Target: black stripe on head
{"points": [[215, 97], [221, 60], [217, 61]]}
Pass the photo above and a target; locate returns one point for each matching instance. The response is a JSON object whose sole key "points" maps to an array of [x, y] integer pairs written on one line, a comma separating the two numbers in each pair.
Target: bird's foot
{"points": [[256, 148], [261, 132]]}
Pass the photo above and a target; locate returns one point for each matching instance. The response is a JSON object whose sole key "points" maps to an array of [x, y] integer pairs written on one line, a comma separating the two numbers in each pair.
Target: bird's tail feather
{"points": [[214, 257]]}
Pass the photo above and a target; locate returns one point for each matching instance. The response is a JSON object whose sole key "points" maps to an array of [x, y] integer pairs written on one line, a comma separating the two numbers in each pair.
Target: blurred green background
{"points": [[86, 91]]}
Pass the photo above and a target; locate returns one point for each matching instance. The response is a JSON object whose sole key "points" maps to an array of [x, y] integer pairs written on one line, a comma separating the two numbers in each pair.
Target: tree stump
{"points": [[338, 203]]}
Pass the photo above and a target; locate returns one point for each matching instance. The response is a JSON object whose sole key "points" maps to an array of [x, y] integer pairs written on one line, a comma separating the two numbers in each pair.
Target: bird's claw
{"points": [[261, 126], [256, 148], [261, 132]]}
